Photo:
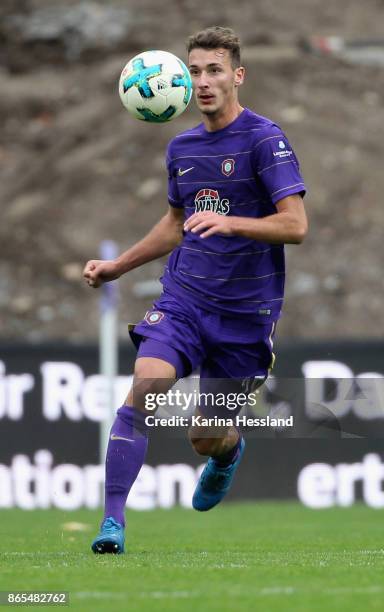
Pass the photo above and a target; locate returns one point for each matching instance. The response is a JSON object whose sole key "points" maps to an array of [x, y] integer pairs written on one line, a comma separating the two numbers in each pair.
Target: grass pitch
{"points": [[249, 556]]}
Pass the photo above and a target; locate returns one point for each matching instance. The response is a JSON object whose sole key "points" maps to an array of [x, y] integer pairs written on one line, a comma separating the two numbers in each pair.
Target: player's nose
{"points": [[202, 81]]}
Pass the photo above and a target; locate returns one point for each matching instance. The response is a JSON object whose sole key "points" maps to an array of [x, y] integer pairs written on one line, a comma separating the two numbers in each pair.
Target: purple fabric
{"points": [[243, 170], [126, 452], [222, 346]]}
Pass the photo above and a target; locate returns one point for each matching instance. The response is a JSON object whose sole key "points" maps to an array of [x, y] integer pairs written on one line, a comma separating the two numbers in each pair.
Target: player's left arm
{"points": [[288, 225]]}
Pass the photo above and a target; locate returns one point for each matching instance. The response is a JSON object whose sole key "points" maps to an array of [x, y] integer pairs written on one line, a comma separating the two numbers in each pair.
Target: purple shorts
{"points": [[190, 337]]}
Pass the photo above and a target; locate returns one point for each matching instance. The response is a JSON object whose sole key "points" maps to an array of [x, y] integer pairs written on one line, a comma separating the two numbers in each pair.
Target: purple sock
{"points": [[230, 456], [126, 452]]}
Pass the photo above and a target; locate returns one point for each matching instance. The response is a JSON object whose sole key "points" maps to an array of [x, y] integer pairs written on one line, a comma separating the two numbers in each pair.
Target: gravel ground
{"points": [[76, 169]]}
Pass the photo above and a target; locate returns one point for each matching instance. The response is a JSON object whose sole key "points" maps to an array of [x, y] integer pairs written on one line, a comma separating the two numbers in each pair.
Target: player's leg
{"points": [[210, 441], [128, 443], [168, 348], [224, 446], [128, 439], [232, 368]]}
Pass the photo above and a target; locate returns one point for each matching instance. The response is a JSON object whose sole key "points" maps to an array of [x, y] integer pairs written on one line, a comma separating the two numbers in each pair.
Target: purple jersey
{"points": [[242, 170]]}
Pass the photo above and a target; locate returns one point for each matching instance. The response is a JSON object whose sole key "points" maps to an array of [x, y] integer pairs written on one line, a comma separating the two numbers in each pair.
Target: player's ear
{"points": [[239, 76]]}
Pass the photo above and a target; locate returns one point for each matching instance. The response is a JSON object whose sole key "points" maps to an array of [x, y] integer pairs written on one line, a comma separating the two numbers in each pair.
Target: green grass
{"points": [[268, 557]]}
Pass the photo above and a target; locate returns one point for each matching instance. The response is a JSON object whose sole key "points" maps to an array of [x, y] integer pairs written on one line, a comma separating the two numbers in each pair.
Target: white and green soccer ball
{"points": [[155, 86]]}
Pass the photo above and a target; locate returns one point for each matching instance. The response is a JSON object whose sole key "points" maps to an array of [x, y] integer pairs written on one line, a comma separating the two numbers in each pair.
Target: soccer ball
{"points": [[155, 86]]}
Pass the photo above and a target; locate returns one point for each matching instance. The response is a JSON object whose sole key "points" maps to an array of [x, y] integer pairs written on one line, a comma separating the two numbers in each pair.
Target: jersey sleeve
{"points": [[276, 165], [173, 191]]}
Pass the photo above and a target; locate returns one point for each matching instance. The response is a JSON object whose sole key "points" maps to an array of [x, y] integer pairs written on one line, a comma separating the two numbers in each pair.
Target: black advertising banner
{"points": [[314, 431]]}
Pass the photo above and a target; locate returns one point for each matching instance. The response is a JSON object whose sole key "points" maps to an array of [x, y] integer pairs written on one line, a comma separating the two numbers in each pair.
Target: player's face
{"points": [[214, 80]]}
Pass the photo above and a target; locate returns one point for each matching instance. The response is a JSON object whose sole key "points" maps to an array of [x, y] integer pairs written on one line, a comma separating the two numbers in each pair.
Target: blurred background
{"points": [[76, 169]]}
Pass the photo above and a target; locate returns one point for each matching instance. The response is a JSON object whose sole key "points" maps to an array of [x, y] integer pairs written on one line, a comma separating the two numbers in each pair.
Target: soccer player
{"points": [[236, 197]]}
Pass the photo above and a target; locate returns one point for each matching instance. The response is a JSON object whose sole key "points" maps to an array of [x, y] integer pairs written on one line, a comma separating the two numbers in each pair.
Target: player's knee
{"points": [[154, 368], [142, 370], [151, 377]]}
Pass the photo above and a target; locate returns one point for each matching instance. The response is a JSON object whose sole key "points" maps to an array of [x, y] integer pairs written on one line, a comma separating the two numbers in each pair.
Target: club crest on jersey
{"points": [[153, 317], [209, 199], [228, 167]]}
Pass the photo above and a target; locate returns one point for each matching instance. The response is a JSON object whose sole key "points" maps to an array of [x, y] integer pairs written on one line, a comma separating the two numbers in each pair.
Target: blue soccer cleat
{"points": [[215, 482], [110, 539]]}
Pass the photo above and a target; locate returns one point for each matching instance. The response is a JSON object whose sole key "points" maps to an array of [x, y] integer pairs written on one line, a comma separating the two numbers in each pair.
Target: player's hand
{"points": [[97, 272], [207, 223]]}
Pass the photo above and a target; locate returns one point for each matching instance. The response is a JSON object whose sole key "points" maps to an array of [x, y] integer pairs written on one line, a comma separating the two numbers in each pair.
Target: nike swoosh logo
{"points": [[115, 437], [181, 172]]}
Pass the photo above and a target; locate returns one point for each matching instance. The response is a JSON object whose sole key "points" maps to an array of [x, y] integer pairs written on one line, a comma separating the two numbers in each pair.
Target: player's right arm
{"points": [[161, 240]]}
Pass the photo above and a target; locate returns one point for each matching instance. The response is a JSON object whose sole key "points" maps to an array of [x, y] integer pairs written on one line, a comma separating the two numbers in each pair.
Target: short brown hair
{"points": [[217, 37]]}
